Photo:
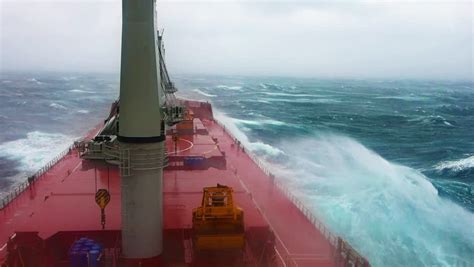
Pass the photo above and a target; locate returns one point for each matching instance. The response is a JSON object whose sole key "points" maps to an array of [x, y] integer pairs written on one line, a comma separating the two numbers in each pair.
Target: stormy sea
{"points": [[386, 164]]}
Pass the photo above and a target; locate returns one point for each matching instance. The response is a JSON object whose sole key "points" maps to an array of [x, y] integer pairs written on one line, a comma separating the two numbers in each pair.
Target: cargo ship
{"points": [[160, 182]]}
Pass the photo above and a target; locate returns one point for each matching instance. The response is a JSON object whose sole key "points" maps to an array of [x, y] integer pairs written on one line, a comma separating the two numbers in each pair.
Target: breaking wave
{"points": [[35, 81], [236, 88], [389, 212], [259, 122], [203, 93], [289, 94], [432, 120], [34, 151], [456, 165], [302, 100], [57, 106], [258, 147]]}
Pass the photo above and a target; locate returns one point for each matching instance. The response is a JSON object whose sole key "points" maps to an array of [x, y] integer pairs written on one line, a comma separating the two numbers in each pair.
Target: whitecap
{"points": [[456, 165], [302, 100], [34, 151], [235, 88], [258, 146], [57, 106], [69, 78], [203, 93], [288, 94], [259, 122], [83, 111], [410, 97], [79, 91], [35, 81]]}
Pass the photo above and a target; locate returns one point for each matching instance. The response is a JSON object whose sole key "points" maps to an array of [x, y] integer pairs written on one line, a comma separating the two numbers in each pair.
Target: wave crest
{"points": [[34, 151], [204, 93], [235, 88], [456, 165], [389, 212], [57, 106]]}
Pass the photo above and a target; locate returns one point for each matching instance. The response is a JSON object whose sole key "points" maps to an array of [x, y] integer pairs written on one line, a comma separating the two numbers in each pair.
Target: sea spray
{"points": [[391, 213], [34, 151]]}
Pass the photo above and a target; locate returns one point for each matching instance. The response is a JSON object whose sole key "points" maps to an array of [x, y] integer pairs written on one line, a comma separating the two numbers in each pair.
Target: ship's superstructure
{"points": [[160, 183]]}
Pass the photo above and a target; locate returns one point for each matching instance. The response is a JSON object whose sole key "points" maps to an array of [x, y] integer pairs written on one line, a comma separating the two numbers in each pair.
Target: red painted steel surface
{"points": [[62, 200]]}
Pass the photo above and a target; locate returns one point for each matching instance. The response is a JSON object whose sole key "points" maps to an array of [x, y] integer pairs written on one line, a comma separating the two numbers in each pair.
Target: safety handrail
{"points": [[20, 188], [343, 249]]}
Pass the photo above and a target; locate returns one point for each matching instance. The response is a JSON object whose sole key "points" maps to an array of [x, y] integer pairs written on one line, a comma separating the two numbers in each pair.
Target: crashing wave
{"points": [[34, 151], [258, 146], [390, 213]]}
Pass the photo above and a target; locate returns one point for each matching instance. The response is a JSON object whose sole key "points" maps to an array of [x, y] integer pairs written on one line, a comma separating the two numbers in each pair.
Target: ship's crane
{"points": [[218, 224], [173, 111], [105, 146]]}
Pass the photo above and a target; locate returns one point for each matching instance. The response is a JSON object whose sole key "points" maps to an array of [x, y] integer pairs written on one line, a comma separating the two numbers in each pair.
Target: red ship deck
{"points": [[62, 201]]}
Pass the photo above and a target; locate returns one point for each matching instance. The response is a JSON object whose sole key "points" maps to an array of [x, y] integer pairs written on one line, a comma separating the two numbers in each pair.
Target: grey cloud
{"points": [[318, 39]]}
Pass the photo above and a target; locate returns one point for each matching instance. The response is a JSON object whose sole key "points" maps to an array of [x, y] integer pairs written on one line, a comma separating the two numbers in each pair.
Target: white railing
{"points": [[20, 188], [344, 250]]}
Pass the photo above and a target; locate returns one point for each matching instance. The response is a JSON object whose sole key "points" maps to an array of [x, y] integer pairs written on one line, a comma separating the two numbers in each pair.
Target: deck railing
{"points": [[345, 254], [21, 187]]}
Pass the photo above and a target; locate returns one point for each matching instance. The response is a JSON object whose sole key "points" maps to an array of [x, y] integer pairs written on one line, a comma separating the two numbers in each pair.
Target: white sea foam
{"points": [[258, 146], [431, 119], [302, 100], [258, 122], [204, 93], [79, 91], [236, 88], [456, 165], [288, 94], [83, 111], [69, 78], [34, 151], [34, 81], [390, 213], [57, 106], [405, 98]]}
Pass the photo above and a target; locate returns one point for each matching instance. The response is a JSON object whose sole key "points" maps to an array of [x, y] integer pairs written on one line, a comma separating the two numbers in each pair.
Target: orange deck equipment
{"points": [[218, 224]]}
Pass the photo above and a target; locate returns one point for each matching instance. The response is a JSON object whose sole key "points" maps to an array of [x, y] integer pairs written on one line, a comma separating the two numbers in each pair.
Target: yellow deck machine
{"points": [[218, 224]]}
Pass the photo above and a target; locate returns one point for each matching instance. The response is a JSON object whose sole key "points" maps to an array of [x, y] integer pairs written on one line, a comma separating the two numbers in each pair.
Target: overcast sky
{"points": [[396, 39]]}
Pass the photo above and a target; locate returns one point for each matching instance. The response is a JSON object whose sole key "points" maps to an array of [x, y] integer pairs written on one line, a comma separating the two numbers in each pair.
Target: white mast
{"points": [[141, 132]]}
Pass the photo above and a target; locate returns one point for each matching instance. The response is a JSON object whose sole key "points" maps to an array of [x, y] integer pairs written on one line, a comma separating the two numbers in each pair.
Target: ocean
{"points": [[386, 164]]}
